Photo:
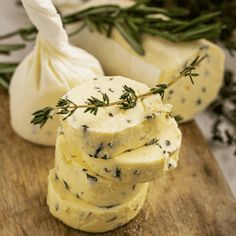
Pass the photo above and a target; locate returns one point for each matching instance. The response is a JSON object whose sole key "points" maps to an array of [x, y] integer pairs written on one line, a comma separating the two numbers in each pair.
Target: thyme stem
{"points": [[127, 100]]}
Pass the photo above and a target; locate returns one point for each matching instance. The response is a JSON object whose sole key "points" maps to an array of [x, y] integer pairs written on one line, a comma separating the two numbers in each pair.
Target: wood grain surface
{"points": [[192, 200]]}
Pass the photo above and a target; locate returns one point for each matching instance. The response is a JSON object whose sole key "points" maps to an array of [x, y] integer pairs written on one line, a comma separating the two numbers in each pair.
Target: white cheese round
{"points": [[47, 73], [80, 215]]}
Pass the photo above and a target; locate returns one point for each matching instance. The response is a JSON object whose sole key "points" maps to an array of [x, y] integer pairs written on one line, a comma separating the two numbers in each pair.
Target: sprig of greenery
{"points": [[198, 8], [6, 49], [6, 72], [42, 116], [134, 21], [127, 100], [94, 103]]}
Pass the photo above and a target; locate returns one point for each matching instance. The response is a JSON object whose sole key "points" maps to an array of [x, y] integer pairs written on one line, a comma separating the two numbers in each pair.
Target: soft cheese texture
{"points": [[142, 164], [113, 131], [47, 73], [103, 162], [163, 60], [80, 215], [85, 183]]}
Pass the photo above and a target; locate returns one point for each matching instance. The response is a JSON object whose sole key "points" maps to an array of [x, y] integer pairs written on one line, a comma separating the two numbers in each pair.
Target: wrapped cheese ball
{"points": [[161, 61], [48, 72]]}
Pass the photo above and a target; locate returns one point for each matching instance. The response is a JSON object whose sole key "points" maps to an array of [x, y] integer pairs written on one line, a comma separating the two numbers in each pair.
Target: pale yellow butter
{"points": [[113, 130], [78, 214], [86, 184], [142, 164]]}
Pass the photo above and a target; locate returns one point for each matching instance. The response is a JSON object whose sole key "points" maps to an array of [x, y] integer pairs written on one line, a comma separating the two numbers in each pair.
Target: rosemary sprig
{"points": [[201, 7], [132, 22], [6, 72], [127, 100], [8, 48]]}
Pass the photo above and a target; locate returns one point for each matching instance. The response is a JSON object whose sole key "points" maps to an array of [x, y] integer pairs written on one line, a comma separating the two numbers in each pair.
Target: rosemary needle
{"points": [[134, 21]]}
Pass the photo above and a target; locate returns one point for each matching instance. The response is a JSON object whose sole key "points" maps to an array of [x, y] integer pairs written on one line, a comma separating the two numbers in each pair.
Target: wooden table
{"points": [[192, 200]]}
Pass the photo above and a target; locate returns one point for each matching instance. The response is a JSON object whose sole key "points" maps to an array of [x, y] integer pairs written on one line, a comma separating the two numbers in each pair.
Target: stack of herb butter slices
{"points": [[104, 162]]}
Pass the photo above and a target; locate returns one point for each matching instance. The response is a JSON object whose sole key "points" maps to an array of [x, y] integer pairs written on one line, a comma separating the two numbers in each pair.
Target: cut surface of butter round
{"points": [[163, 60], [86, 184], [141, 164], [47, 73], [113, 130], [78, 214]]}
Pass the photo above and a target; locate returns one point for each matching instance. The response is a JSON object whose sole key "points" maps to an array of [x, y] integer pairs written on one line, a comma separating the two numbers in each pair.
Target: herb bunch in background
{"points": [[223, 109], [134, 21], [199, 7]]}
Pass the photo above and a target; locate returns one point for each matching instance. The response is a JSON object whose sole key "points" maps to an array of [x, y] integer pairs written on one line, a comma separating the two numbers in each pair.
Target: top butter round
{"points": [[113, 130]]}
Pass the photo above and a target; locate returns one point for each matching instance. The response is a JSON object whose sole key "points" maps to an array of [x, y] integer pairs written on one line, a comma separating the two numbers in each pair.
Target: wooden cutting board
{"points": [[192, 200]]}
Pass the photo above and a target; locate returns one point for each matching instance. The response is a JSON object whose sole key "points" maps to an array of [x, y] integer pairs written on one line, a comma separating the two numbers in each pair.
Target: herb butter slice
{"points": [[113, 130], [141, 164], [78, 214], [88, 185]]}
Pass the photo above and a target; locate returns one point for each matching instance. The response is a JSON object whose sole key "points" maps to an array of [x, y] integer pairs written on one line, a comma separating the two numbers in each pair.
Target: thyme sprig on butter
{"points": [[134, 21], [127, 100]]}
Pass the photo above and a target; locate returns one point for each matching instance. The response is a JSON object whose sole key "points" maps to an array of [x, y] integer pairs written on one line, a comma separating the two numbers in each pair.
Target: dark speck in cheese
{"points": [[112, 219], [150, 117], [98, 150], [199, 101], [108, 207], [56, 177], [91, 178], [56, 206], [85, 128], [118, 172], [167, 142], [66, 185], [106, 170]]}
